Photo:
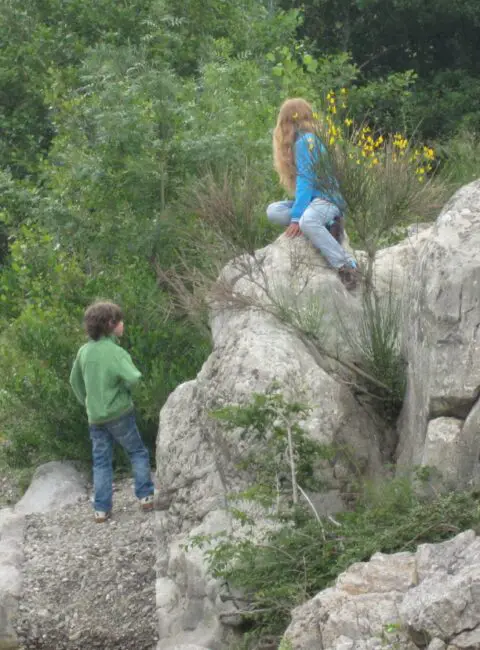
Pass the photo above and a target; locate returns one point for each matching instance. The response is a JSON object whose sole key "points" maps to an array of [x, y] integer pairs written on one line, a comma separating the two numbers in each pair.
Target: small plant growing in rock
{"points": [[376, 341], [391, 637], [279, 454]]}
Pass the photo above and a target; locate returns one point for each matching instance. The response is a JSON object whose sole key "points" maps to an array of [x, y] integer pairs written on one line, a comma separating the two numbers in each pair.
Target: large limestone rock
{"points": [[430, 598], [436, 273], [196, 460], [394, 265], [440, 422]]}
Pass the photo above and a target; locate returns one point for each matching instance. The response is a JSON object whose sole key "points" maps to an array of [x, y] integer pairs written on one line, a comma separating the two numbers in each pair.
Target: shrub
{"points": [[232, 205], [280, 456], [302, 554], [225, 219], [385, 180], [47, 290]]}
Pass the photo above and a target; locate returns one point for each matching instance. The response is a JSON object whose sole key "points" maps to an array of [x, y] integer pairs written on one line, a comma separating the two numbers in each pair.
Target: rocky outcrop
{"points": [[440, 421], [54, 485], [435, 272], [428, 599], [197, 461]]}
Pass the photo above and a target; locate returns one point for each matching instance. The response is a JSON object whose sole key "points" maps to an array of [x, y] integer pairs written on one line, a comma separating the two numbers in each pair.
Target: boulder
{"points": [[406, 600], [446, 602], [442, 345], [253, 347], [54, 485], [256, 303], [393, 265]]}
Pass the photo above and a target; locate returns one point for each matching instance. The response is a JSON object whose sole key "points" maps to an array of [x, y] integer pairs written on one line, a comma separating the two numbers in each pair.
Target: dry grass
{"points": [[233, 206]]}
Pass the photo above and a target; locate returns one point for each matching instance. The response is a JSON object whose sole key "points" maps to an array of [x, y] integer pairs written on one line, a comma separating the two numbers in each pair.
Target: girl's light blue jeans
{"points": [[313, 224], [124, 431]]}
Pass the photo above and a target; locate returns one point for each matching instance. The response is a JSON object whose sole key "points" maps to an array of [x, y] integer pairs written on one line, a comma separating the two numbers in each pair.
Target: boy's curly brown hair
{"points": [[101, 318]]}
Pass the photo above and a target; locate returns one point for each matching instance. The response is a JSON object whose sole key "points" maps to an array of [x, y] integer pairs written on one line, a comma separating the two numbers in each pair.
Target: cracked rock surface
{"points": [[441, 415], [428, 599]]}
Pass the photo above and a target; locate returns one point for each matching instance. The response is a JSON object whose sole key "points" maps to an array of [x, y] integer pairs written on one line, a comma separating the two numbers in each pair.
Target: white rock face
{"points": [[403, 601], [393, 265], [436, 274], [442, 343], [196, 461]]}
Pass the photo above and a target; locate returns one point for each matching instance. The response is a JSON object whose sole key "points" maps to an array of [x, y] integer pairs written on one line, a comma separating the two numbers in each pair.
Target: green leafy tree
{"points": [[435, 41]]}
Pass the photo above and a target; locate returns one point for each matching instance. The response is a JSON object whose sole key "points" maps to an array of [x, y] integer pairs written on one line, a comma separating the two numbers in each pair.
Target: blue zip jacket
{"points": [[308, 148]]}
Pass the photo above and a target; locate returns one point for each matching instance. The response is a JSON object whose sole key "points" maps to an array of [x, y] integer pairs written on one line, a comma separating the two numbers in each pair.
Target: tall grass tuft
{"points": [[376, 340], [232, 205]]}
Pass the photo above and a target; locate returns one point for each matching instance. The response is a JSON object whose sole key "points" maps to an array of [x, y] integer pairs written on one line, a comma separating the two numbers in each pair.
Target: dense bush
{"points": [[48, 289]]}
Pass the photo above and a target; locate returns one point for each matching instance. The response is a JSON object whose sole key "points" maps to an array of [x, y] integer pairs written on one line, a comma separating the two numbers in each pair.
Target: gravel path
{"points": [[89, 585]]}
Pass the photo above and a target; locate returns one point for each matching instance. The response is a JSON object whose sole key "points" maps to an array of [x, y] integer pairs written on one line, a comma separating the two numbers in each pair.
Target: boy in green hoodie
{"points": [[102, 377]]}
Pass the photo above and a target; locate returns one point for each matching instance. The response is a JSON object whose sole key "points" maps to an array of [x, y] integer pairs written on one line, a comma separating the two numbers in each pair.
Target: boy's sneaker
{"points": [[101, 516], [348, 276], [146, 503]]}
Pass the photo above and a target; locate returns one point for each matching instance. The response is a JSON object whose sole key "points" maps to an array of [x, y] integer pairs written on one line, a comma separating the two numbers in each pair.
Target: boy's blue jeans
{"points": [[124, 431]]}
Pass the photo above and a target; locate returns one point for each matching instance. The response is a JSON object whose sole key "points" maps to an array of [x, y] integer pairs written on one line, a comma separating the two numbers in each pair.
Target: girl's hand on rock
{"points": [[293, 230]]}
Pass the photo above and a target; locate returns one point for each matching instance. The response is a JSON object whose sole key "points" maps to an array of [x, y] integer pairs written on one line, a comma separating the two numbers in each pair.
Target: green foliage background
{"points": [[110, 115]]}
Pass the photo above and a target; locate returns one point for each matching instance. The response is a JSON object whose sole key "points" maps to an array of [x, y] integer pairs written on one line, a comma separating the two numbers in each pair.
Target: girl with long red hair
{"points": [[318, 208]]}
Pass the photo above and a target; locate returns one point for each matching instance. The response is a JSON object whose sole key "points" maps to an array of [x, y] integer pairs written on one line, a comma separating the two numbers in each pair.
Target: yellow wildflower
{"points": [[428, 153]]}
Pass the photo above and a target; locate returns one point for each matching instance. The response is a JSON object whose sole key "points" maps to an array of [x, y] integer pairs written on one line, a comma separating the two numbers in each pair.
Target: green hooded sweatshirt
{"points": [[102, 375]]}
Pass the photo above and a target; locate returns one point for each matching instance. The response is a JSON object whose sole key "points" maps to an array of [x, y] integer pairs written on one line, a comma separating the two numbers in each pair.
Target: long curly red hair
{"points": [[295, 115]]}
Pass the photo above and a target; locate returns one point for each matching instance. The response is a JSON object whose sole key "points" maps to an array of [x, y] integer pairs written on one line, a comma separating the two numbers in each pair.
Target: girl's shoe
{"points": [[101, 516], [348, 276], [146, 503]]}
